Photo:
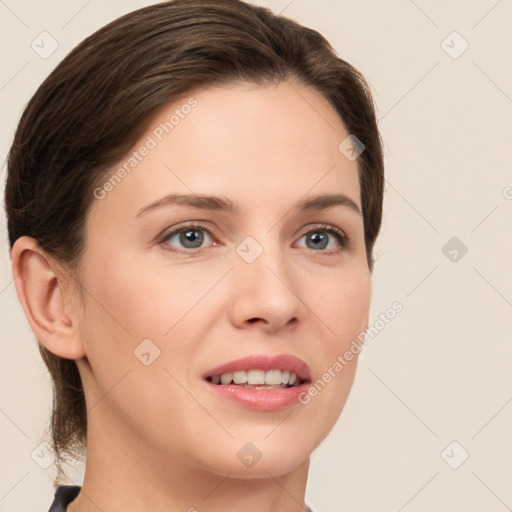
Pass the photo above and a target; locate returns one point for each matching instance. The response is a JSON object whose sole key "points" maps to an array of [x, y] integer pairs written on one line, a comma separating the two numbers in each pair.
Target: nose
{"points": [[266, 292]]}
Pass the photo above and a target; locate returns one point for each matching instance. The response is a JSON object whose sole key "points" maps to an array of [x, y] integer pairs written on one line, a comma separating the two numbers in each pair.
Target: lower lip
{"points": [[260, 399]]}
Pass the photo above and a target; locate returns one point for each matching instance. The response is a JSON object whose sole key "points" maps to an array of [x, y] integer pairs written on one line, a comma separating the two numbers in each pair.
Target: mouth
{"points": [[260, 381]]}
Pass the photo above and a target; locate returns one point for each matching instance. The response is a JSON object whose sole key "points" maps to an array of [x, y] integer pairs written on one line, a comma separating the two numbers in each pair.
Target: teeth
{"points": [[273, 377], [226, 378], [253, 378], [240, 377]]}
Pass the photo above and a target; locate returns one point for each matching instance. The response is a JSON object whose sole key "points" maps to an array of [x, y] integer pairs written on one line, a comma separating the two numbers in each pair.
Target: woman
{"points": [[193, 197]]}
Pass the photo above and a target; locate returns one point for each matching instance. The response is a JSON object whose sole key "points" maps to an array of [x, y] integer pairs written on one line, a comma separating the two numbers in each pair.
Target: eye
{"points": [[319, 239], [190, 237]]}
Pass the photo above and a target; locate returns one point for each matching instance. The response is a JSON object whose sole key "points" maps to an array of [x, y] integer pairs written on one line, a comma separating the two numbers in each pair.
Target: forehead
{"points": [[260, 143]]}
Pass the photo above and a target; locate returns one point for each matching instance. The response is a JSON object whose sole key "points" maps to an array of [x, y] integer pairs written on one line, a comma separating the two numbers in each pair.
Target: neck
{"points": [[125, 474]]}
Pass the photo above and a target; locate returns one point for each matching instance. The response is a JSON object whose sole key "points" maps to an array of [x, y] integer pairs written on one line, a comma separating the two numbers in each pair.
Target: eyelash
{"points": [[343, 240]]}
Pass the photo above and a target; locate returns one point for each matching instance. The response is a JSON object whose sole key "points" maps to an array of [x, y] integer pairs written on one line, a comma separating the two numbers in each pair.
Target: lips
{"points": [[294, 373]]}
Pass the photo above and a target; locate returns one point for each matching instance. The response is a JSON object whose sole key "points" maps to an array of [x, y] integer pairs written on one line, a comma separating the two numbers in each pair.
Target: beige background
{"points": [[440, 371]]}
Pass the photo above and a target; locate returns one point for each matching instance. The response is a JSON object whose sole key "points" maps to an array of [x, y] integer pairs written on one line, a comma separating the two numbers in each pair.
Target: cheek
{"points": [[343, 306], [130, 311], [129, 302], [142, 300], [343, 310]]}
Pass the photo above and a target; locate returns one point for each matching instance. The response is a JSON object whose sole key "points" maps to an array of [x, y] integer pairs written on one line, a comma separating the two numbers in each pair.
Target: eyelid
{"points": [[324, 227]]}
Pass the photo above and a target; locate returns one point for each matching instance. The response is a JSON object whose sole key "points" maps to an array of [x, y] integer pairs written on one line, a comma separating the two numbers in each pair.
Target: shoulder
{"points": [[64, 495]]}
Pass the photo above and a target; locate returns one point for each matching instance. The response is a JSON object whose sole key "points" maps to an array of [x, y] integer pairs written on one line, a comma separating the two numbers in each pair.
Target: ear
{"points": [[42, 293]]}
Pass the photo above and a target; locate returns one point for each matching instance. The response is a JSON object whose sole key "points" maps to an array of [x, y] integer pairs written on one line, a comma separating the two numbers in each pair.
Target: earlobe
{"points": [[42, 296]]}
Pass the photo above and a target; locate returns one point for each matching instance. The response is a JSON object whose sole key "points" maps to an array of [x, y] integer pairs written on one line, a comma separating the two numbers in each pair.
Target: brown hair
{"points": [[93, 107]]}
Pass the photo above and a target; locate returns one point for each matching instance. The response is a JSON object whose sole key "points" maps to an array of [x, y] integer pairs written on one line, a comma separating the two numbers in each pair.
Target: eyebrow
{"points": [[223, 204]]}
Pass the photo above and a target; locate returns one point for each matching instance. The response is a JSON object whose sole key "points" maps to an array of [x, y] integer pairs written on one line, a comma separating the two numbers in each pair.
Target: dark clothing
{"points": [[65, 494]]}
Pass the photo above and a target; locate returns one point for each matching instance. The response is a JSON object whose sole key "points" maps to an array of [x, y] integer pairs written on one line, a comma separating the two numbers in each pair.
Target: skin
{"points": [[158, 439]]}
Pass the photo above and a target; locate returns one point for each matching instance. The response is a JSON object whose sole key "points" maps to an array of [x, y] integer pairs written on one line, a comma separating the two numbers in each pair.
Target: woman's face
{"points": [[167, 302]]}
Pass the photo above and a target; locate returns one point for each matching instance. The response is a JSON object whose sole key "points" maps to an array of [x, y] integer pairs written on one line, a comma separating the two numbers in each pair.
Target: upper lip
{"points": [[264, 362]]}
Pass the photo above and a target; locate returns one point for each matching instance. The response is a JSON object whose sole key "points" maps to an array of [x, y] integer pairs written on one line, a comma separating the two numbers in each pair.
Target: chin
{"points": [[264, 468], [245, 460]]}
